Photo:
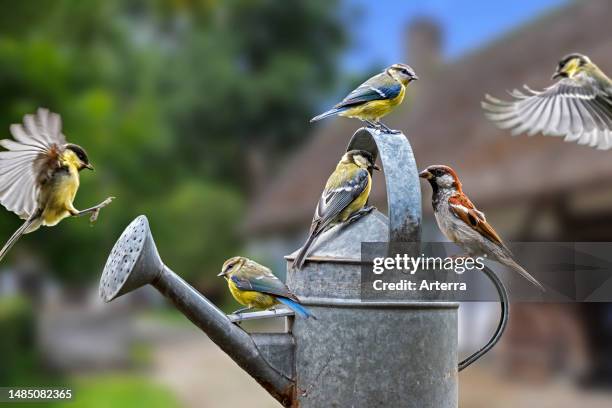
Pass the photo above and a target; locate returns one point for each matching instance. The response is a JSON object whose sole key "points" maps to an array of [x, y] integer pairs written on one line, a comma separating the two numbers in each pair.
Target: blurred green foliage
{"points": [[169, 98], [199, 227], [17, 341]]}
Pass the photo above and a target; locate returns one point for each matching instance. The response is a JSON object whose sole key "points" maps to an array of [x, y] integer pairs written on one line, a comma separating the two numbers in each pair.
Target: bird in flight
{"points": [[39, 174], [577, 107]]}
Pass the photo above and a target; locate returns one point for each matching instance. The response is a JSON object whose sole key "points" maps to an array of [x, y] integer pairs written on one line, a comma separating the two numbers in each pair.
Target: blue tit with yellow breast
{"points": [[344, 198], [255, 287], [375, 98], [577, 107], [39, 174]]}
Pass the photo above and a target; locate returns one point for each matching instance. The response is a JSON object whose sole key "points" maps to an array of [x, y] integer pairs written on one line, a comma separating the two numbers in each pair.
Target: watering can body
{"points": [[385, 353]]}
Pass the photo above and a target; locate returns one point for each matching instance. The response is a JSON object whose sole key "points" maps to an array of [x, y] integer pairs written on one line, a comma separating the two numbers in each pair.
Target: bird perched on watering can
{"points": [[462, 223], [578, 106], [375, 98], [255, 287], [344, 198], [39, 174]]}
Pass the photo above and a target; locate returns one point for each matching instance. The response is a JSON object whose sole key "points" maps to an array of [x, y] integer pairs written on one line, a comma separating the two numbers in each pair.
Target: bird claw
{"points": [[94, 215], [383, 128], [241, 311], [359, 214], [106, 202], [96, 212]]}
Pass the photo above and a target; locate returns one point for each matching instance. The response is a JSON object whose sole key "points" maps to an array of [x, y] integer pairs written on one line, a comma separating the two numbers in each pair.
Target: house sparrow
{"points": [[461, 222], [375, 98], [578, 106]]}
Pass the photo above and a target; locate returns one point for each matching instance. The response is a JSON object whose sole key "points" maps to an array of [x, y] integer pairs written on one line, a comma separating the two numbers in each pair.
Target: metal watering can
{"points": [[395, 353]]}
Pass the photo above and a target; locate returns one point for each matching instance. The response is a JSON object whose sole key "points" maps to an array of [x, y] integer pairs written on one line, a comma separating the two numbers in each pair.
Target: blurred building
{"points": [[532, 189]]}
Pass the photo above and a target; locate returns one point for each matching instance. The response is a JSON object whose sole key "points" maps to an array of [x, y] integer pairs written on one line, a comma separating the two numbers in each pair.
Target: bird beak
{"points": [[375, 167], [222, 273], [414, 78], [89, 166], [426, 175], [559, 74]]}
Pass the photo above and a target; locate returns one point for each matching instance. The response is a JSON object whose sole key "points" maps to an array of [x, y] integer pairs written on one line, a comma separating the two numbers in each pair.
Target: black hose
{"points": [[503, 320]]}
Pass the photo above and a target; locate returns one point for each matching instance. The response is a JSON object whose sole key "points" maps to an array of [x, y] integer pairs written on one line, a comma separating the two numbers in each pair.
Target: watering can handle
{"points": [[401, 180], [404, 207], [501, 326]]}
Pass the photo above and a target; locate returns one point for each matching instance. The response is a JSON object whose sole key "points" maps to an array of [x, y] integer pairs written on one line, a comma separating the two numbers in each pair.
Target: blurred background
{"points": [[195, 113]]}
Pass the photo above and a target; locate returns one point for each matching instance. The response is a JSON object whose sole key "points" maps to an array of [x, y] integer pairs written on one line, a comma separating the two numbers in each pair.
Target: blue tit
{"points": [[39, 174], [376, 97], [344, 198], [255, 286], [577, 107]]}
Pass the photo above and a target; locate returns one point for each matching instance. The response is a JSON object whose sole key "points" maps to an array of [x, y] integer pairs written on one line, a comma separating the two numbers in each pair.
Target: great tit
{"points": [[255, 287], [343, 199], [578, 106], [39, 174], [376, 97]]}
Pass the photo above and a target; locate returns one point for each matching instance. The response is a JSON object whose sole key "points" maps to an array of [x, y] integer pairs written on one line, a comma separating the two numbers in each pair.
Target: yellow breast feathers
{"points": [[59, 192], [250, 298], [374, 110]]}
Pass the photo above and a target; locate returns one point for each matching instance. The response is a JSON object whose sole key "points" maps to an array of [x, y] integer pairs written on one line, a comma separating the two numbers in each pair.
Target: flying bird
{"points": [[39, 174], [375, 98], [578, 106], [344, 198], [462, 223], [255, 287]]}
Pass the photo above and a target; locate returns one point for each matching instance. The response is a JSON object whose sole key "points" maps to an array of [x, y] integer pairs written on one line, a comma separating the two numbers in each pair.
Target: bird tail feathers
{"points": [[297, 308], [329, 113], [300, 258], [518, 268], [17, 234]]}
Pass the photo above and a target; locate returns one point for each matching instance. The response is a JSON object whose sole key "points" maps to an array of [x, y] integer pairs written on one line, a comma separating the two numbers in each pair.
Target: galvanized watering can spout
{"points": [[134, 262]]}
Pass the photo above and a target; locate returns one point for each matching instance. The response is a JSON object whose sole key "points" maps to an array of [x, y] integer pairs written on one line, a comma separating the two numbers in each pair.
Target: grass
{"points": [[114, 391]]}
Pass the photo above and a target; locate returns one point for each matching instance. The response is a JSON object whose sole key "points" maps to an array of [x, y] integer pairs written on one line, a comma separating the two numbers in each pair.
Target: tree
{"points": [[167, 97]]}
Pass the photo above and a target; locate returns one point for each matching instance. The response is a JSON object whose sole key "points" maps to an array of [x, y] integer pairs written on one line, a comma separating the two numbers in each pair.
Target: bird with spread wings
{"points": [[577, 107], [39, 174]]}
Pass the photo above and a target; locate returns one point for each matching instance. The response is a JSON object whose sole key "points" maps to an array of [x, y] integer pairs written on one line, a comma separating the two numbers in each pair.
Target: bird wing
{"points": [[379, 87], [342, 189], [29, 160], [260, 280], [464, 209], [577, 108]]}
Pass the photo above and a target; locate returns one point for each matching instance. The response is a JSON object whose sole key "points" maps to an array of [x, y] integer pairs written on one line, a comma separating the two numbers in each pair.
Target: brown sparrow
{"points": [[462, 223]]}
